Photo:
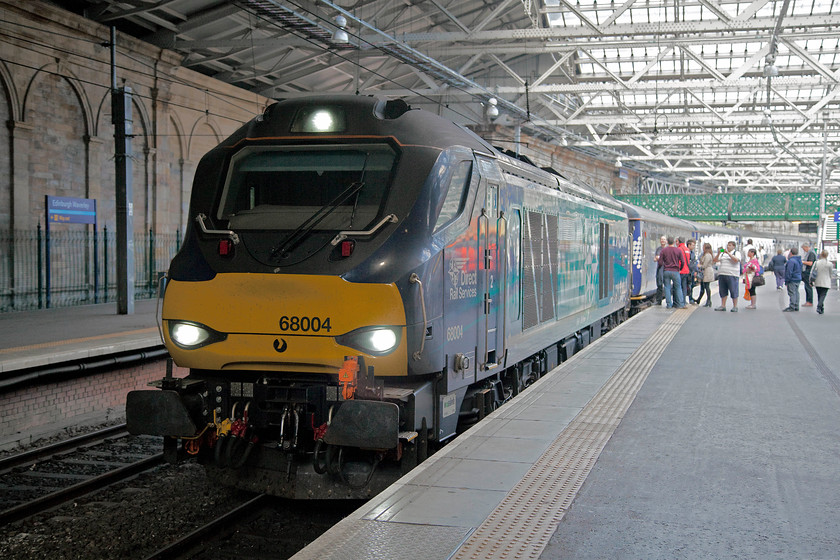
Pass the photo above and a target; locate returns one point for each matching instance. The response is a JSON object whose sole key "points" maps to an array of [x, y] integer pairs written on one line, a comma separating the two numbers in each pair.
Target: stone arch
{"points": [[64, 73], [175, 142], [179, 133], [56, 109], [8, 86], [197, 144], [100, 112], [142, 165], [141, 162], [9, 112]]}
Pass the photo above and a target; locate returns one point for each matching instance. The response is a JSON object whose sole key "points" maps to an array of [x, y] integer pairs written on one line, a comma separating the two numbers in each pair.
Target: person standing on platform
{"points": [[729, 270], [809, 258], [672, 260], [821, 279], [746, 248], [778, 265], [793, 276], [688, 290], [752, 270], [684, 271], [707, 274], [660, 282]]}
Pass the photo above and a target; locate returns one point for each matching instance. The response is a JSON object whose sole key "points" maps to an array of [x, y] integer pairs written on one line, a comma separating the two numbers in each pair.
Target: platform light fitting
{"points": [[768, 117], [340, 35], [771, 70], [491, 109]]}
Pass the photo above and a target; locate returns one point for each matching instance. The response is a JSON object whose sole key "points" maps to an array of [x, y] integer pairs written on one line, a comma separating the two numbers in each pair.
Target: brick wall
{"points": [[32, 410]]}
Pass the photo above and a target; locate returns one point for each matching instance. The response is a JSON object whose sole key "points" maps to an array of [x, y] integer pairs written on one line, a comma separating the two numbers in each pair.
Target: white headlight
{"points": [[383, 340], [322, 121], [378, 341], [186, 334]]}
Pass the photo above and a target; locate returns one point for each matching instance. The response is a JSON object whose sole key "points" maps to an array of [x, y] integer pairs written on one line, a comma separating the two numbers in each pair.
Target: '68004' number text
{"points": [[304, 324]]}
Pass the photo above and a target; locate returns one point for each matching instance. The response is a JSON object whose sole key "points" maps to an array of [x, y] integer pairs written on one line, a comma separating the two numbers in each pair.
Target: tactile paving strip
{"points": [[523, 523]]}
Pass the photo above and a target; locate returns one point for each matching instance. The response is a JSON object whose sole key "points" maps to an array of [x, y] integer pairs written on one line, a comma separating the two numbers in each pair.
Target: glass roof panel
{"points": [[710, 84]]}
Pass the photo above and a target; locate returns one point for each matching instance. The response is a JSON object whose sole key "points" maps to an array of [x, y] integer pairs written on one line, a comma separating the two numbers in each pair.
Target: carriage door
{"points": [[492, 231]]}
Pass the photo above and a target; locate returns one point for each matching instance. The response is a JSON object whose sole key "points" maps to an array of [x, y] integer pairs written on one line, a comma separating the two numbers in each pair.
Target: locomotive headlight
{"points": [[377, 341], [192, 335], [319, 119]]}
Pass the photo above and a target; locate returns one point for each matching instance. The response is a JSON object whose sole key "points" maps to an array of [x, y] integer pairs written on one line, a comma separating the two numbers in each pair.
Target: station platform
{"points": [[63, 369], [731, 449], [31, 339]]}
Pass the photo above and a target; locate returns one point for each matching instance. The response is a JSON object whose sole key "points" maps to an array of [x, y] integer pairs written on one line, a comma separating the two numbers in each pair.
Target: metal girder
{"points": [[625, 79], [647, 30]]}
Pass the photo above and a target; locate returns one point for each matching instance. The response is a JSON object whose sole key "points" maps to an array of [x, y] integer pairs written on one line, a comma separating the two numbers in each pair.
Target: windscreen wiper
{"points": [[303, 229]]}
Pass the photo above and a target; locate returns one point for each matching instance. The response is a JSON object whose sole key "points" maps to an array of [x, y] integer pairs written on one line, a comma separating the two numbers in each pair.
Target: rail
{"points": [[88, 485]]}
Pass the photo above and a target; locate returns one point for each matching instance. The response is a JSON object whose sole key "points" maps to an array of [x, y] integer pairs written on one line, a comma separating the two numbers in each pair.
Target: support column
{"points": [[121, 111]]}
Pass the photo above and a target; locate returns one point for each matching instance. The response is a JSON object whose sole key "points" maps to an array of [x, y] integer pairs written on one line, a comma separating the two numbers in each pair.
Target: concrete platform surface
{"points": [[50, 336], [731, 449]]}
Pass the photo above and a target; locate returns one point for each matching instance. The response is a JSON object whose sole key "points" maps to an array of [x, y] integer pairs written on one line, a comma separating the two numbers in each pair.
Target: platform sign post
{"points": [[67, 210]]}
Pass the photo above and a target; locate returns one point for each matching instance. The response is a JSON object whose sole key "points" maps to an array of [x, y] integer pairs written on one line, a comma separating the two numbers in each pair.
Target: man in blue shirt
{"points": [[793, 276], [809, 259]]}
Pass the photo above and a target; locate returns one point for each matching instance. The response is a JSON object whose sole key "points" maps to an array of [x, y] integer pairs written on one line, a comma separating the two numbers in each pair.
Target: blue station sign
{"points": [[66, 210]]}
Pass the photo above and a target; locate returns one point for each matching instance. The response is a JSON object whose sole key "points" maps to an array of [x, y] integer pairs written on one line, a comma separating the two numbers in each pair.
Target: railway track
{"points": [[262, 527], [43, 478], [218, 528]]}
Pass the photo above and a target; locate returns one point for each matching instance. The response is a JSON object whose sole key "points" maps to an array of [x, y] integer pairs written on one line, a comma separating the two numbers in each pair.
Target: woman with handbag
{"points": [[752, 276], [707, 274], [821, 279]]}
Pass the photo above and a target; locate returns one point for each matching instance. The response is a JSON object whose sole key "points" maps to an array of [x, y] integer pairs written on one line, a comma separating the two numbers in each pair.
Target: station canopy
{"points": [[716, 95]]}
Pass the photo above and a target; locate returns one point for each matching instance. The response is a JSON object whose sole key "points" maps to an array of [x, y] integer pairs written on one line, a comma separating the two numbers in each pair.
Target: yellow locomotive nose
{"points": [[284, 323]]}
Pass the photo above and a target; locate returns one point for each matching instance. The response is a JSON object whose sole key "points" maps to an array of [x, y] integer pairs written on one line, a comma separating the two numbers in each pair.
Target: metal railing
{"points": [[737, 206], [76, 268]]}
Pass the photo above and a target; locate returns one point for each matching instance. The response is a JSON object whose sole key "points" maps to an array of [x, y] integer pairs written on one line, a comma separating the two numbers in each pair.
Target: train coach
{"points": [[646, 228], [360, 280]]}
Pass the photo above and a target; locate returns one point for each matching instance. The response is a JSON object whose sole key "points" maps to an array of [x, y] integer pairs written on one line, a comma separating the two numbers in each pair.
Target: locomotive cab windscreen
{"points": [[303, 191]]}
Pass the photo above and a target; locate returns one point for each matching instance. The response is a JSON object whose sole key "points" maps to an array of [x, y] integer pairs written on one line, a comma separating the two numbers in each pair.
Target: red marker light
{"points": [[347, 248], [225, 248]]}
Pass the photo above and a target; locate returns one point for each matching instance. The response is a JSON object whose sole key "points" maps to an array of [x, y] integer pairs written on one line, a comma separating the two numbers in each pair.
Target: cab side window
{"points": [[456, 195]]}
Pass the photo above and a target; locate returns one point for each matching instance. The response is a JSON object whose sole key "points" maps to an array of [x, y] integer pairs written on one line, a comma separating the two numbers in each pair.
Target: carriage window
{"points": [[456, 195]]}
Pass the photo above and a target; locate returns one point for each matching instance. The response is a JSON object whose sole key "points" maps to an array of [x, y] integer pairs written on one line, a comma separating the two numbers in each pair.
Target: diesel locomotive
{"points": [[359, 281]]}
